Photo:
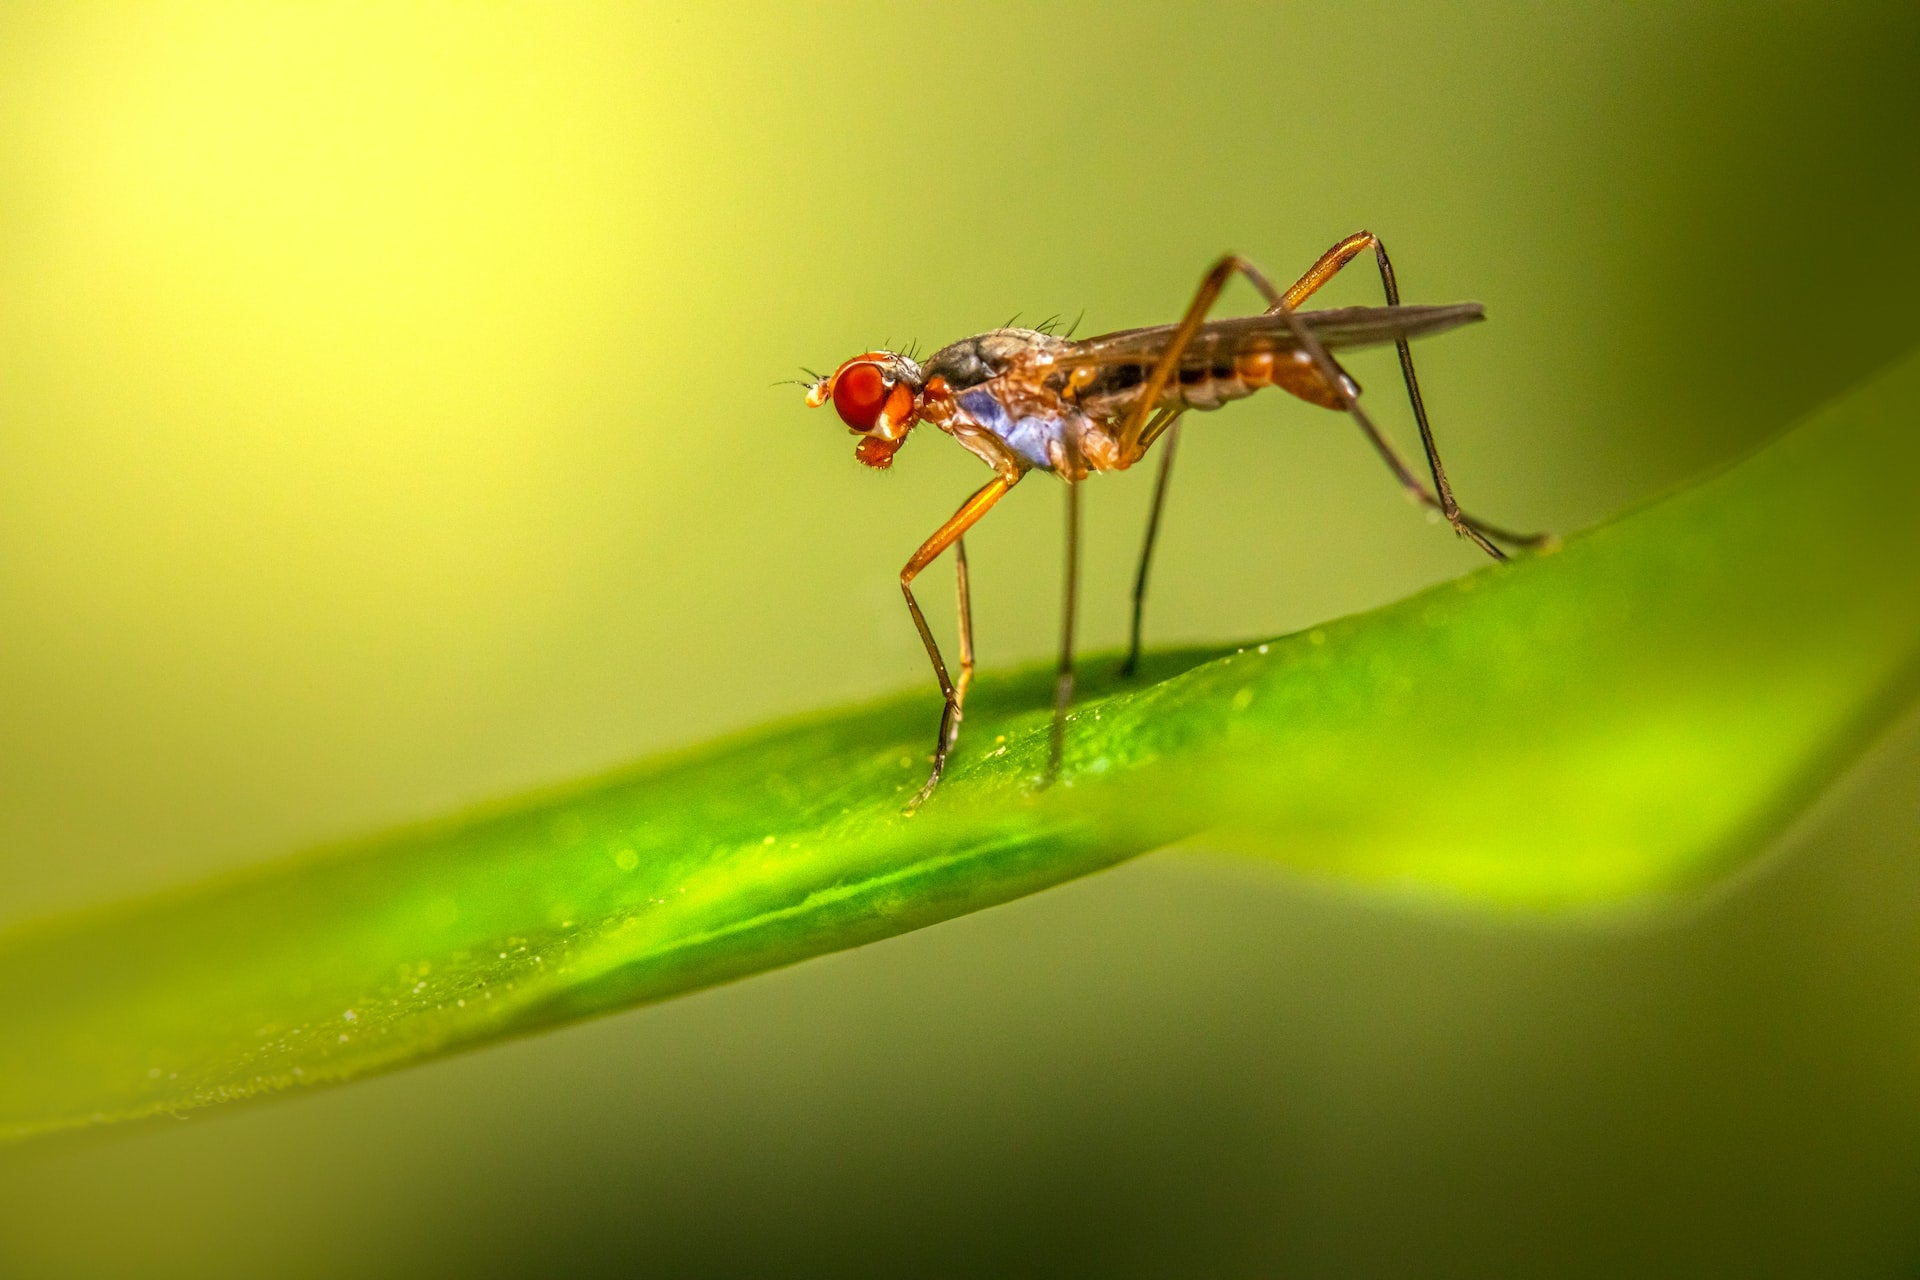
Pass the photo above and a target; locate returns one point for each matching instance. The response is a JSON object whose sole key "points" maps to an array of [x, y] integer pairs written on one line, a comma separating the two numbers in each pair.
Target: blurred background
{"points": [[387, 423]]}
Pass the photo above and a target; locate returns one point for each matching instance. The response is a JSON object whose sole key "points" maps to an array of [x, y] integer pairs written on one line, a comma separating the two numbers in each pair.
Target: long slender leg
{"points": [[945, 536], [1138, 432], [1325, 269], [1344, 389], [1442, 498], [964, 610], [1147, 418], [1147, 404], [1172, 446], [1063, 683], [1448, 507]]}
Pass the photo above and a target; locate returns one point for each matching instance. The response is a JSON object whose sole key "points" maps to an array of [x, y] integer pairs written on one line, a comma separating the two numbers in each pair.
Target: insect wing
{"points": [[1221, 340]]}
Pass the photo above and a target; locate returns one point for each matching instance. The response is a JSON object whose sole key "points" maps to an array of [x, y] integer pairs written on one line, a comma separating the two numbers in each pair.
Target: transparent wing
{"points": [[1219, 341]]}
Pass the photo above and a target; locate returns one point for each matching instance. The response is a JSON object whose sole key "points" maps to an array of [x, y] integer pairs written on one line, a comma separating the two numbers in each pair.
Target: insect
{"points": [[1023, 400]]}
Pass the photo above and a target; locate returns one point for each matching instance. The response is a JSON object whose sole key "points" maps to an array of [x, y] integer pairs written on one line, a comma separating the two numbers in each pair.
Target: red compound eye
{"points": [[858, 394]]}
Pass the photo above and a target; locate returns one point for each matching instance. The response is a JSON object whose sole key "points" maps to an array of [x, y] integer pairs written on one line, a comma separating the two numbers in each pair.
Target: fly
{"points": [[1022, 400]]}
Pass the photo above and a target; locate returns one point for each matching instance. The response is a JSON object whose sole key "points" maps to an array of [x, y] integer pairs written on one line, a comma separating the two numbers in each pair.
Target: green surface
{"points": [[1630, 714]]}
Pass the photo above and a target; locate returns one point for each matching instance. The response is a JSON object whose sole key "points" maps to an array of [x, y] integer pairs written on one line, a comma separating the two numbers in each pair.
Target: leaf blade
{"points": [[1632, 714]]}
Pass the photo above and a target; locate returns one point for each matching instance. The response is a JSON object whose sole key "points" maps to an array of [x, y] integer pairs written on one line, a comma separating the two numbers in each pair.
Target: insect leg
{"points": [[1344, 389], [1063, 683], [1133, 429], [945, 536], [1144, 422], [1324, 270], [1441, 497], [964, 610], [1171, 427]]}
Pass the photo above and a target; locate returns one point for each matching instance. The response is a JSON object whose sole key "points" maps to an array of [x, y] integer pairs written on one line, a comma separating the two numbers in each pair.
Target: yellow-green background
{"points": [[386, 423]]}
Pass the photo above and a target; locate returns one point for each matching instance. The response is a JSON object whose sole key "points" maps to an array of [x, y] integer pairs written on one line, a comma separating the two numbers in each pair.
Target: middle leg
{"points": [[945, 536], [1160, 481], [1063, 682], [1145, 423]]}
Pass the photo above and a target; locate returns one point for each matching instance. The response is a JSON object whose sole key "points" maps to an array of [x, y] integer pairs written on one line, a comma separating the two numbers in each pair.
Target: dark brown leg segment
{"points": [[1165, 474], [1063, 682], [1441, 497]]}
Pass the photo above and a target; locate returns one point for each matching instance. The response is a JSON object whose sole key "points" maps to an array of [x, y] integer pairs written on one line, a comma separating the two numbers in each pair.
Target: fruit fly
{"points": [[1023, 400]]}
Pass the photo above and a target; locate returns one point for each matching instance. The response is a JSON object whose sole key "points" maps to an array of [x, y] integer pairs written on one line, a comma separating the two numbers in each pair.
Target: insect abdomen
{"points": [[1293, 371], [1213, 381], [1210, 385]]}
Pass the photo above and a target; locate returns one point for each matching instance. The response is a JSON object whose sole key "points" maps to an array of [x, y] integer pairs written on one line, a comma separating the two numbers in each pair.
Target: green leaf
{"points": [[1629, 715]]}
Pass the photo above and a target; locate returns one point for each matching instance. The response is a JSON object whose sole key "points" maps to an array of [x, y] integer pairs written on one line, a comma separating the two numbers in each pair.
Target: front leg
{"points": [[963, 612], [945, 536]]}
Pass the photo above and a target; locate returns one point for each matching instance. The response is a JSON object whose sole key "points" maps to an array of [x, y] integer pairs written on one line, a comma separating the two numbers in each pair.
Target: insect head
{"points": [[878, 396]]}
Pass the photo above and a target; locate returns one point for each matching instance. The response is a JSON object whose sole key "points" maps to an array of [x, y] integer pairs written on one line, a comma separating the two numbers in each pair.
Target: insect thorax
{"points": [[972, 361]]}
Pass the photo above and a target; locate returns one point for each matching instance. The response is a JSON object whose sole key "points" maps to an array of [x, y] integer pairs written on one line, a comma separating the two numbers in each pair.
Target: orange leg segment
{"points": [[1327, 268], [1133, 430], [954, 694]]}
